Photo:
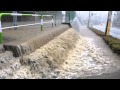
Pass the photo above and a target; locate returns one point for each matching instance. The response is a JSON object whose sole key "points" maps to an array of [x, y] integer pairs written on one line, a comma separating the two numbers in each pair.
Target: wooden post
{"points": [[52, 21], [55, 19], [108, 25]]}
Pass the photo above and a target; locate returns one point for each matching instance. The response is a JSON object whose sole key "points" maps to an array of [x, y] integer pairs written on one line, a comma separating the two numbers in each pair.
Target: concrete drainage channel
{"points": [[68, 56], [58, 54], [14, 59], [31, 45]]}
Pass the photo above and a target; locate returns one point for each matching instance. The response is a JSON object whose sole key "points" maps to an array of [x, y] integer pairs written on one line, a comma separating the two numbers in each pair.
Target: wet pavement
{"points": [[113, 73]]}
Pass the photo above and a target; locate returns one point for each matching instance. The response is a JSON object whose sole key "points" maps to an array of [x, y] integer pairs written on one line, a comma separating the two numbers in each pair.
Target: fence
{"points": [[19, 14], [69, 16]]}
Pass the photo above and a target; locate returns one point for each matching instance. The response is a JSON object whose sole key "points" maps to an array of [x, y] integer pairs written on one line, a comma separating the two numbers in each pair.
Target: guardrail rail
{"points": [[19, 14]]}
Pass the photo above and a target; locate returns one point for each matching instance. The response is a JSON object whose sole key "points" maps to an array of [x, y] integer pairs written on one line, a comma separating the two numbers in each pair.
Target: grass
{"points": [[116, 48], [98, 32], [113, 43]]}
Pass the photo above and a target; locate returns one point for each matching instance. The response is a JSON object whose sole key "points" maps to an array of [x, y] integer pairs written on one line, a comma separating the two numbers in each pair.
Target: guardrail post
{"points": [[61, 18], [41, 23], [108, 25], [55, 19], [52, 21], [17, 14], [1, 35], [15, 20]]}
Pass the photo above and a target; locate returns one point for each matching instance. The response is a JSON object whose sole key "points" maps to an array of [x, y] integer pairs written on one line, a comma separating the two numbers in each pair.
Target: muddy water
{"points": [[87, 60], [37, 42], [29, 40], [8, 65], [44, 60], [68, 56], [49, 57]]}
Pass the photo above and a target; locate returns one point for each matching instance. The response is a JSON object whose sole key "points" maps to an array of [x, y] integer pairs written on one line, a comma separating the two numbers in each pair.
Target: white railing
{"points": [[19, 14]]}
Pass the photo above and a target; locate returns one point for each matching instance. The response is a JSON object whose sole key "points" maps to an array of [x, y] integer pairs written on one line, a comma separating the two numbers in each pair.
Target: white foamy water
{"points": [[85, 59]]}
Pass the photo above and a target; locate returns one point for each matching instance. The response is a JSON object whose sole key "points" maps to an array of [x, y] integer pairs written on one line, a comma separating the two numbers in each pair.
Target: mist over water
{"points": [[76, 24]]}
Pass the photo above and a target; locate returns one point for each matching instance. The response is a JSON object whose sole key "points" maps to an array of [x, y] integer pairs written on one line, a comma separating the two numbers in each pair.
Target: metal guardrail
{"points": [[19, 14]]}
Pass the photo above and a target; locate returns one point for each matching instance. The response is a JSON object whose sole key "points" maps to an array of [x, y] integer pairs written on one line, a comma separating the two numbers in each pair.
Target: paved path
{"points": [[114, 69]]}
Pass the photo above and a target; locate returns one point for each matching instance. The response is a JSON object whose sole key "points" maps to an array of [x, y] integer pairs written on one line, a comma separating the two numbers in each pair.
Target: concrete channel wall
{"points": [[34, 42]]}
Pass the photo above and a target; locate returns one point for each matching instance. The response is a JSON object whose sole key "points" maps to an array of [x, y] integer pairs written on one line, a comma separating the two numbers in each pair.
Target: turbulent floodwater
{"points": [[86, 60], [81, 59]]}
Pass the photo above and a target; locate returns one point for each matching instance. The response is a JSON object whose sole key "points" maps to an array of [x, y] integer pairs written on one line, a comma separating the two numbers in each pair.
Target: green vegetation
{"points": [[1, 39], [98, 32], [113, 43], [116, 48], [6, 11]]}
